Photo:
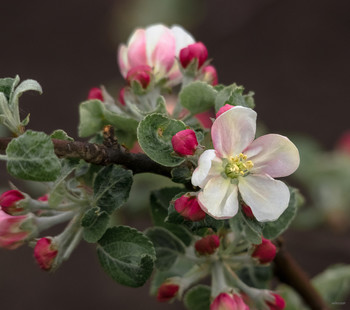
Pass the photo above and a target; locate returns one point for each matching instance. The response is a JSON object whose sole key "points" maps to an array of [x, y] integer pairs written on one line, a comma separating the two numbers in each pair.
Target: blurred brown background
{"points": [[294, 54]]}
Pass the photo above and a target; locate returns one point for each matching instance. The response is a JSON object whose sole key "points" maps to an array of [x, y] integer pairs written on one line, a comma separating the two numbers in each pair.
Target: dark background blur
{"points": [[294, 54]]}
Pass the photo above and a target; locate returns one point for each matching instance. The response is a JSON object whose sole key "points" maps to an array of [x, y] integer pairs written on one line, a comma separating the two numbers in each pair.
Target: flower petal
{"points": [[233, 131], [123, 60], [137, 49], [208, 166], [268, 198], [274, 155], [182, 38], [160, 47], [219, 198]]}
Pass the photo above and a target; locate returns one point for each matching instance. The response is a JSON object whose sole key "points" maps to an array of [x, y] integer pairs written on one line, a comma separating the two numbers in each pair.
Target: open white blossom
{"points": [[241, 165]]}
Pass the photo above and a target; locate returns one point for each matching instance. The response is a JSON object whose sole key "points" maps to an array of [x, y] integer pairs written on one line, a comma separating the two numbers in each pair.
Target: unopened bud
{"points": [[185, 142], [207, 245], [196, 51], [167, 291], [95, 93], [277, 304], [44, 198], [189, 208], [210, 75], [9, 202], [225, 301], [45, 253], [140, 74], [265, 252], [223, 109], [247, 211], [121, 96]]}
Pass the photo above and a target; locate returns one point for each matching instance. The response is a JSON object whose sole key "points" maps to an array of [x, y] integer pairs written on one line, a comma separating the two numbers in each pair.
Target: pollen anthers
{"points": [[238, 166]]}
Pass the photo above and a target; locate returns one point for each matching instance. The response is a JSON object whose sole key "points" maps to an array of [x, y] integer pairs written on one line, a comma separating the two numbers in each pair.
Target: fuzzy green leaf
{"points": [[95, 223], [111, 188], [198, 298], [198, 97], [154, 135], [23, 87], [126, 255], [31, 156], [61, 135]]}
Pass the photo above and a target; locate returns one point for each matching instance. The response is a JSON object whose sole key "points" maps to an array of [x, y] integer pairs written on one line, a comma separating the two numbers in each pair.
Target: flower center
{"points": [[238, 166]]}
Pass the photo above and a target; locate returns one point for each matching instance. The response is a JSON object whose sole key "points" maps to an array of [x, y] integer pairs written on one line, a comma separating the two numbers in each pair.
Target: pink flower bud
{"points": [[14, 230], [225, 301], [189, 208], [95, 93], [277, 304], [121, 96], [343, 143], [185, 142], [141, 74], [223, 109], [207, 245], [210, 75], [193, 51], [45, 253], [167, 291], [205, 118], [44, 198], [9, 202], [247, 211], [265, 252]]}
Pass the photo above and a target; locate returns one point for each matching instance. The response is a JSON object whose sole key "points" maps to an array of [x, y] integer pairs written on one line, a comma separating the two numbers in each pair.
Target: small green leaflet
{"points": [[198, 298]]}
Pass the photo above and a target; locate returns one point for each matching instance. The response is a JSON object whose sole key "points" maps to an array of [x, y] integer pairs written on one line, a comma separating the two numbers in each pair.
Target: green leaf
{"points": [[61, 135], [154, 135], [253, 229], [126, 255], [181, 174], [272, 230], [23, 87], [291, 297], [168, 247], [233, 95], [95, 223], [94, 116], [198, 97], [198, 298], [334, 283], [256, 276], [31, 156], [111, 188], [7, 85]]}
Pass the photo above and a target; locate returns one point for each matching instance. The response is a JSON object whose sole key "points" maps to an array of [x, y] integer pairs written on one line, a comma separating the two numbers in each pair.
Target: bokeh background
{"points": [[294, 54]]}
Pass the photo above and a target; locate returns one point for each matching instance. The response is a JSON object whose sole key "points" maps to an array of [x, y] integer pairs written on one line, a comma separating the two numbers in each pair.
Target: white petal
{"points": [[219, 198], [182, 38], [209, 165], [123, 60], [268, 198], [274, 155], [233, 131]]}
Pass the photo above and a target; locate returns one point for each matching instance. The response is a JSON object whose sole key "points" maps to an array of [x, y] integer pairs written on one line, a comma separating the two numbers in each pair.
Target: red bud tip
{"points": [[189, 208], [207, 245], [278, 304], [8, 202], [185, 142], [247, 211], [210, 75], [141, 74], [95, 93], [225, 301], [45, 253], [167, 291], [265, 252], [223, 109], [121, 96], [193, 51]]}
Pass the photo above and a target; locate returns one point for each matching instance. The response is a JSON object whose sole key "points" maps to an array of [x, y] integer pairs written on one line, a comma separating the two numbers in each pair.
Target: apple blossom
{"points": [[9, 202], [207, 245], [265, 252], [156, 46], [95, 93], [167, 291], [140, 74], [185, 142], [45, 253], [196, 51], [189, 208], [225, 301], [240, 165], [277, 304]]}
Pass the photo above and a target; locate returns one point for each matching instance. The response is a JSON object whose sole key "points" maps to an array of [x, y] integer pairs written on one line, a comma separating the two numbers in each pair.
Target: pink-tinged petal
{"points": [[137, 49], [274, 155], [160, 46], [233, 131], [219, 198], [208, 166], [268, 198], [123, 60], [182, 38]]}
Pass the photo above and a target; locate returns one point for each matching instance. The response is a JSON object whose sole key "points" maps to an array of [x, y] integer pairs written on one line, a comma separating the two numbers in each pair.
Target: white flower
{"points": [[156, 46], [240, 166]]}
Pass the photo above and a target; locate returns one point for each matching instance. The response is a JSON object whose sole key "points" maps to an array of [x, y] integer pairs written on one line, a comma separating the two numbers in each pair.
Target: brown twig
{"points": [[289, 272]]}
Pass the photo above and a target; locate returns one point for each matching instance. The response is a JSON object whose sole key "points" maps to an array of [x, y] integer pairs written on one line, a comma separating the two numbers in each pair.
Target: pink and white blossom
{"points": [[240, 165], [225, 301], [45, 252], [156, 46]]}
